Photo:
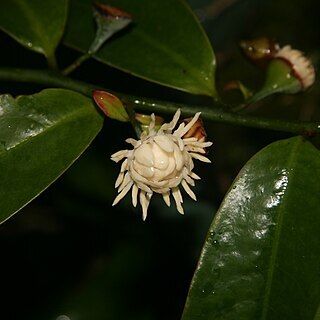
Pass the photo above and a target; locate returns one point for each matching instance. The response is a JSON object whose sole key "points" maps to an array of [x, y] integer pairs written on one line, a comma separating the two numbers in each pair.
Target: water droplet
{"points": [[29, 44]]}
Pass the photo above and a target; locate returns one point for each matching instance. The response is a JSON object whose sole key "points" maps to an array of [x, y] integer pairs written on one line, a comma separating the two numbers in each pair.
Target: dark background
{"points": [[69, 252]]}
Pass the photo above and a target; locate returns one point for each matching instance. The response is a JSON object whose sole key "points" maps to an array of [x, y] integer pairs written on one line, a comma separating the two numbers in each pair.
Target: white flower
{"points": [[160, 162], [301, 66]]}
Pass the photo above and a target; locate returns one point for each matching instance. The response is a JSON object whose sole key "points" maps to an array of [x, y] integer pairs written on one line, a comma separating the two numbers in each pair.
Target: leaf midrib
{"points": [[275, 246]]}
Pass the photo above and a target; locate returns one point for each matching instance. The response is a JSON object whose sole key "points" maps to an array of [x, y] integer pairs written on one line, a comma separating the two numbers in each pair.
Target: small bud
{"points": [[288, 72], [109, 20], [301, 66], [260, 50], [111, 106], [196, 131]]}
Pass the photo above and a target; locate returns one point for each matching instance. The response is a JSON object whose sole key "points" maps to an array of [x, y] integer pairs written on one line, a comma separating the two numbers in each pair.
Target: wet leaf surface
{"points": [[261, 256], [40, 137], [36, 24]]}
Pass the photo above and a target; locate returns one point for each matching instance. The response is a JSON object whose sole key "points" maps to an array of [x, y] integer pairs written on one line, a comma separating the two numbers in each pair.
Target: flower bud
{"points": [[288, 72], [111, 106], [259, 50], [196, 131], [301, 66]]}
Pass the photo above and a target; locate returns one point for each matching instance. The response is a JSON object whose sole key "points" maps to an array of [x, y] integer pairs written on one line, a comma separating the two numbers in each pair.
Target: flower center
{"points": [[158, 160]]}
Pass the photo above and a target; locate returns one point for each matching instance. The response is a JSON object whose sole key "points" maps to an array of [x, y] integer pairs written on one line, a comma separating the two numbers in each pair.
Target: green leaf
{"points": [[40, 137], [165, 43], [261, 257], [36, 24]]}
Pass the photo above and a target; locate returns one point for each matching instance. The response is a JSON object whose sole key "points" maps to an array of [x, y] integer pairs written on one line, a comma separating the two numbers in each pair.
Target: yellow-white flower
{"points": [[160, 162]]}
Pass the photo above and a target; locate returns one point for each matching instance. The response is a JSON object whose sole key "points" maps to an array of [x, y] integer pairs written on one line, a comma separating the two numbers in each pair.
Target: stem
{"points": [[52, 61], [76, 64], [210, 113]]}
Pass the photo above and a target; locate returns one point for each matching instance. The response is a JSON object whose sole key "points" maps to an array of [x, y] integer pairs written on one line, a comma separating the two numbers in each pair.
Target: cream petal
{"points": [[181, 144], [199, 157], [136, 176], [144, 155], [175, 119], [122, 194], [161, 157], [152, 122], [144, 201], [133, 141], [177, 197], [144, 171], [191, 164], [134, 195], [170, 126], [124, 165], [119, 180], [166, 198], [196, 149], [164, 142], [116, 157], [194, 176], [161, 190], [188, 190], [158, 184], [139, 180], [189, 140], [144, 187], [205, 144], [180, 128], [189, 180], [160, 175], [174, 182], [125, 181], [184, 130], [179, 159]]}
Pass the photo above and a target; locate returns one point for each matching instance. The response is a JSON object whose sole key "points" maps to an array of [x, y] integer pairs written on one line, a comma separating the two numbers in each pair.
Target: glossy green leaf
{"points": [[36, 24], [261, 257], [164, 44], [40, 137]]}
